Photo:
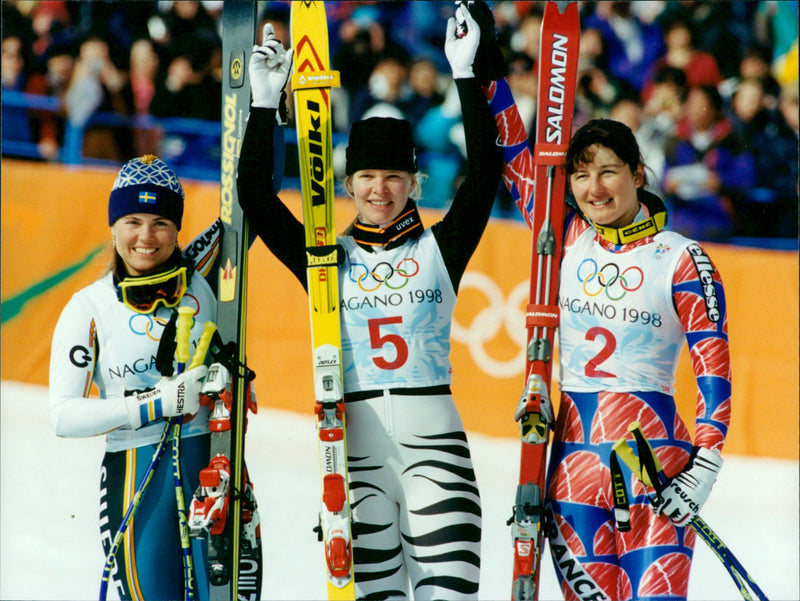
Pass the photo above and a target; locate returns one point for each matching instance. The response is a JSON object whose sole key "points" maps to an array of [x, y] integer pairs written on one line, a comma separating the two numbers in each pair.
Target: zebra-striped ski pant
{"points": [[414, 497]]}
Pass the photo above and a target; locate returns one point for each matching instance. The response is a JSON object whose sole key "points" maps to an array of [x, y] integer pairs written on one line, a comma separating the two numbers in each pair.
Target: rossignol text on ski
{"points": [[224, 508]]}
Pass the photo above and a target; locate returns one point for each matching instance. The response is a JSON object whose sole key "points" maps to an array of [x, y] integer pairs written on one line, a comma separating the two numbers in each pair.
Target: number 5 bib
{"points": [[396, 310]]}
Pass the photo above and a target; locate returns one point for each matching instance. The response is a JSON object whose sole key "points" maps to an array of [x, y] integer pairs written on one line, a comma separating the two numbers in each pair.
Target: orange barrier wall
{"points": [[54, 241]]}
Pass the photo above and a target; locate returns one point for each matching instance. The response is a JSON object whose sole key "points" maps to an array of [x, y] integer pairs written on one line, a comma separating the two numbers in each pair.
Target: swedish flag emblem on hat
{"points": [[146, 185]]}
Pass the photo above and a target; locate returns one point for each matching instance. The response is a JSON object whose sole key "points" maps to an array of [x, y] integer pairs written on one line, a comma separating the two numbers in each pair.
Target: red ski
{"points": [[537, 184]]}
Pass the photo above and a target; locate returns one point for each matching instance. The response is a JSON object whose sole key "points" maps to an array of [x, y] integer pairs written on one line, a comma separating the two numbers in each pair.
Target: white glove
{"points": [[460, 51], [173, 396], [269, 70], [686, 493]]}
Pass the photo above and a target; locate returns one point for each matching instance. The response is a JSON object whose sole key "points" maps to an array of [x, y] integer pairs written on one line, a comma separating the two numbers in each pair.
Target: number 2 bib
{"points": [[619, 330]]}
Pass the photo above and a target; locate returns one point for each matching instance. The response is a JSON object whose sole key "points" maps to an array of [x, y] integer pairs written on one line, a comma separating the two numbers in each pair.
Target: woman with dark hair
{"points": [[631, 294]]}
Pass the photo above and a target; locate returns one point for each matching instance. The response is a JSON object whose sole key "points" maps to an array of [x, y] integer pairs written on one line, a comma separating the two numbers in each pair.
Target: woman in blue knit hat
{"points": [[412, 485], [109, 336]]}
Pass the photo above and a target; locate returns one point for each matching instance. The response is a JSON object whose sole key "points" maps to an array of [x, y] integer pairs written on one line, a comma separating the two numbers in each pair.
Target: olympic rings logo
{"points": [[608, 278], [383, 273], [502, 315], [143, 324]]}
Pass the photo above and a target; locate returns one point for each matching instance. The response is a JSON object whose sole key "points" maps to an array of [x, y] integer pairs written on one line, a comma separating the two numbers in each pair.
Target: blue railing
{"points": [[199, 160]]}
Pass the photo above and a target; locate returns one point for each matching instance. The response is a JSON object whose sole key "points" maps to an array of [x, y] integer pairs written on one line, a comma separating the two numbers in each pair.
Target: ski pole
{"points": [[182, 356], [166, 436], [647, 468], [131, 511], [184, 330]]}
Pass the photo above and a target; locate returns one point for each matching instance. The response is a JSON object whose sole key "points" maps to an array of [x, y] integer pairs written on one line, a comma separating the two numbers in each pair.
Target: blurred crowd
{"points": [[709, 88]]}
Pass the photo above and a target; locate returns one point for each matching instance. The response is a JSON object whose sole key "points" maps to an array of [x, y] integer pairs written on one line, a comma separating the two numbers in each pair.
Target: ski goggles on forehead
{"points": [[143, 294]]}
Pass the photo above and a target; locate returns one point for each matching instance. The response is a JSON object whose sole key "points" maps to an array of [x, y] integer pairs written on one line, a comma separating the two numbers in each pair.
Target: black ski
{"points": [[223, 508]]}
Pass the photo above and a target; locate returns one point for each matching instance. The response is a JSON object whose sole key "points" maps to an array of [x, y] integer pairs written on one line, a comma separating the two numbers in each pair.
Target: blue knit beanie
{"points": [[146, 185]]}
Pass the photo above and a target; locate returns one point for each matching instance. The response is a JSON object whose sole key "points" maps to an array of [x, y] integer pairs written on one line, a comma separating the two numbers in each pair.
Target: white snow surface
{"points": [[49, 490]]}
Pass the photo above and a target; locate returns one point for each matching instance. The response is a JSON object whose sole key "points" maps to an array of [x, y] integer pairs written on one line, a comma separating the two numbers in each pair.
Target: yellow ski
{"points": [[311, 83]]}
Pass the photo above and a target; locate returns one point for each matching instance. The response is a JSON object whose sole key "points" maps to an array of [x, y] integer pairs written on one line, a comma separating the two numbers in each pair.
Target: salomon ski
{"points": [[223, 508], [537, 184], [311, 83]]}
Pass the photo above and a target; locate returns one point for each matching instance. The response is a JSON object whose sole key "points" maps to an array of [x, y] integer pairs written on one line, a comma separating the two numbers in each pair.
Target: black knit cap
{"points": [[381, 143]]}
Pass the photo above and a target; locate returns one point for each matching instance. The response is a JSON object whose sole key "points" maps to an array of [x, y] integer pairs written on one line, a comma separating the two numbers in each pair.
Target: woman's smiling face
{"points": [[606, 189], [380, 194], [144, 242]]}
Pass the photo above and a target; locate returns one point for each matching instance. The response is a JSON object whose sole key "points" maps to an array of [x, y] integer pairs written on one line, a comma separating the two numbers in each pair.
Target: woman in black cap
{"points": [[412, 484]]}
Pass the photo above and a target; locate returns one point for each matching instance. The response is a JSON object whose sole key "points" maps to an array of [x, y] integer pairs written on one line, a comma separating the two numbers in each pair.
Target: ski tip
{"points": [[563, 5]]}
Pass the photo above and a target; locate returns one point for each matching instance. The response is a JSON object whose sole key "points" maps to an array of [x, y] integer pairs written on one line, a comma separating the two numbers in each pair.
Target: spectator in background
{"points": [[48, 19], [418, 27], [788, 106], [15, 121], [183, 24], [597, 92], [99, 86], [593, 54], [651, 140], [144, 66], [707, 170], [522, 81], [424, 84], [661, 112], [364, 42], [525, 38], [774, 149], [633, 46], [189, 90], [631, 113], [700, 67], [439, 135], [16, 21], [790, 111], [507, 17], [386, 93], [775, 26], [48, 126], [755, 63], [665, 96], [718, 29]]}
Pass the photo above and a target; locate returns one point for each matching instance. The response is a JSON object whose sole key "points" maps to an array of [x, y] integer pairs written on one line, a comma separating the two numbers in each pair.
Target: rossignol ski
{"points": [[645, 465], [223, 508], [311, 84], [537, 184]]}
